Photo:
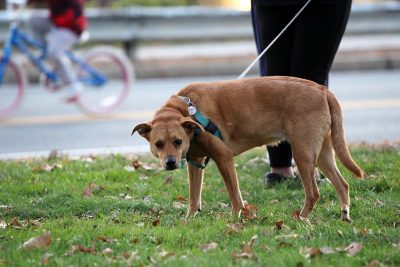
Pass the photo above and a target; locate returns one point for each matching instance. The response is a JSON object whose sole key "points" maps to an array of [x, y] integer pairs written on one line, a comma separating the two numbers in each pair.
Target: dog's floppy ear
{"points": [[143, 129], [190, 125]]}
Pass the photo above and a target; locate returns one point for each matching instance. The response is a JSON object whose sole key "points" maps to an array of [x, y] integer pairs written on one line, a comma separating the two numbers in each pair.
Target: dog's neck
{"points": [[177, 104]]}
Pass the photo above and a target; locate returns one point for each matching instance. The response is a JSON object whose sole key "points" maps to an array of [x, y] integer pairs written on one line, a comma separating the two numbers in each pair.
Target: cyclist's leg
{"points": [[59, 41], [40, 27]]}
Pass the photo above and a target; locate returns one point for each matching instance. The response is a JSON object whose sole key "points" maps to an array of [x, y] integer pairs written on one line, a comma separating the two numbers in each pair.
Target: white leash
{"points": [[273, 41]]}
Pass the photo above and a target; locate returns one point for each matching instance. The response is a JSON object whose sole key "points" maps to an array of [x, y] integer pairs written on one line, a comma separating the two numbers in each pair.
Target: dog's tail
{"points": [[338, 141]]}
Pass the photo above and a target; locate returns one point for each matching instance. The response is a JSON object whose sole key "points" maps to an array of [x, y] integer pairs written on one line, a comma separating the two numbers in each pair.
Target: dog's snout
{"points": [[170, 163]]}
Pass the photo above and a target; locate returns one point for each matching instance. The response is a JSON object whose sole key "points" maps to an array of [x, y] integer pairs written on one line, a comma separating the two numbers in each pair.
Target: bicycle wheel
{"points": [[12, 84], [106, 80]]}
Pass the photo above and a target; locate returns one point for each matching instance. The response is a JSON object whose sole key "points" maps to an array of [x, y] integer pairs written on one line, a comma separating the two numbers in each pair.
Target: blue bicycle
{"points": [[105, 74]]}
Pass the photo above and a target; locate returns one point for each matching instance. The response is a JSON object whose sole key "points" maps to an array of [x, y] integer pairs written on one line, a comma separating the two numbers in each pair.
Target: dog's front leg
{"points": [[226, 167], [195, 186]]}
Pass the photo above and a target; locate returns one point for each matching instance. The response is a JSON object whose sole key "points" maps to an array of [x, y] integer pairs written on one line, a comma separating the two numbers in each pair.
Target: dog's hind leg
{"points": [[195, 186], [305, 157], [327, 163], [226, 166]]}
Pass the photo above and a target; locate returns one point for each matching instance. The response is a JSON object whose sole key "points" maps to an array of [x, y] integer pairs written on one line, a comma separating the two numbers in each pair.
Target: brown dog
{"points": [[253, 112]]}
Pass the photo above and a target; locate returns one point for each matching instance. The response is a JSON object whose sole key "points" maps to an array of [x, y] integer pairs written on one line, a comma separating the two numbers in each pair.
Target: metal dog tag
{"points": [[192, 110]]}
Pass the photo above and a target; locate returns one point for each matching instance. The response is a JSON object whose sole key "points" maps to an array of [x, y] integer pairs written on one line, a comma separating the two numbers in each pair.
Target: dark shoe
{"points": [[272, 178]]}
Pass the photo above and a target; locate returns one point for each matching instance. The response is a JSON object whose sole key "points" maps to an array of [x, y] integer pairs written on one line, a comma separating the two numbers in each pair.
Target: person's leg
{"points": [[59, 41], [39, 27], [317, 37], [267, 23]]}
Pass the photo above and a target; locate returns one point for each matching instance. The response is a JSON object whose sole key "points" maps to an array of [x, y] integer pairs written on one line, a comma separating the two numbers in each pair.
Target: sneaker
{"points": [[272, 178], [72, 98]]}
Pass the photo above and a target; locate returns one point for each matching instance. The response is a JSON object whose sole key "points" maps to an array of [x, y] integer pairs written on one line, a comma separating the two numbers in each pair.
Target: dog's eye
{"points": [[159, 144], [178, 142]]}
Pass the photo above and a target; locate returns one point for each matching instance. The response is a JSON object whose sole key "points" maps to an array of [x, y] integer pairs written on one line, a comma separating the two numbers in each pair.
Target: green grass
{"points": [[56, 200]]}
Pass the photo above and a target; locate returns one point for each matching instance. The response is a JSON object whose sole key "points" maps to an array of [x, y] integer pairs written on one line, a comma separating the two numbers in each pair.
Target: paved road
{"points": [[370, 102]]}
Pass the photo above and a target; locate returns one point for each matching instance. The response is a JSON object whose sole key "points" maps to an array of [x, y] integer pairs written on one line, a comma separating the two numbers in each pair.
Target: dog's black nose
{"points": [[170, 163]]}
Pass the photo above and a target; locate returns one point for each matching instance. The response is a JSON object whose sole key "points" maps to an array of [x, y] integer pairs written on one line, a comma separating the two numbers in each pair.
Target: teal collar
{"points": [[208, 125]]}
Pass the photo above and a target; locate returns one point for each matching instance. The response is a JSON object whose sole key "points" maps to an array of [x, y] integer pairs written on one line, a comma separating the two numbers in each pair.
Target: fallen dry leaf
{"points": [[129, 168], [340, 233], [80, 248], [247, 250], [314, 251], [285, 237], [379, 203], [15, 223], [107, 239], [207, 247], [136, 164], [168, 180], [296, 214], [234, 227], [3, 224], [107, 251], [222, 205], [181, 198], [178, 205], [46, 258], [249, 211], [156, 222], [42, 241], [92, 188], [364, 232], [165, 254], [353, 249]]}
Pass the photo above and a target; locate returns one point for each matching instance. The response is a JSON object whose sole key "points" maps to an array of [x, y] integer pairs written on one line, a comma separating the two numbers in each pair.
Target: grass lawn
{"points": [[99, 212]]}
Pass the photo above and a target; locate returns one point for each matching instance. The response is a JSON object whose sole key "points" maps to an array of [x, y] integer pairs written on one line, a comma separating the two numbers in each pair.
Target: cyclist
{"points": [[60, 30]]}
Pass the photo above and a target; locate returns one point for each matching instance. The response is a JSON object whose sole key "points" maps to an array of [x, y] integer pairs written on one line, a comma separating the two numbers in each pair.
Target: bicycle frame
{"points": [[23, 42]]}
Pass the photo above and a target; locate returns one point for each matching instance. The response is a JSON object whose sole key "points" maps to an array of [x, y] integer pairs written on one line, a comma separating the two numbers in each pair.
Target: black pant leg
{"points": [[317, 35]]}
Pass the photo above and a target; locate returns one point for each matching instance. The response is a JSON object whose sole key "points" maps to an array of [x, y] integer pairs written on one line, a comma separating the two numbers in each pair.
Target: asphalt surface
{"points": [[370, 103]]}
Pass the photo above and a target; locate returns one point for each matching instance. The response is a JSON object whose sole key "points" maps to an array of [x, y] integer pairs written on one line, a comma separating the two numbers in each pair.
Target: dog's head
{"points": [[169, 138]]}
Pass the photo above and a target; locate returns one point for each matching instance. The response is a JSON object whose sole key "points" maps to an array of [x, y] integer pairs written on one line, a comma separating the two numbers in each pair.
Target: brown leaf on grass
{"points": [[234, 227], [279, 225], [156, 222], [165, 254], [222, 205], [107, 251], [379, 203], [178, 205], [47, 168], [208, 246], [375, 263], [340, 233], [46, 258], [92, 188], [168, 180], [136, 164], [129, 168], [296, 214], [353, 249], [80, 248], [5, 207], [42, 241], [315, 251], [364, 232], [107, 239], [3, 224], [249, 211], [35, 223], [15, 223], [247, 250], [134, 241], [181, 198]]}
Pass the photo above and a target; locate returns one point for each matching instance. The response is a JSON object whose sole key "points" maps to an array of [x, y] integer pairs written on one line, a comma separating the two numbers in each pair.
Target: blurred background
{"points": [[175, 42]]}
